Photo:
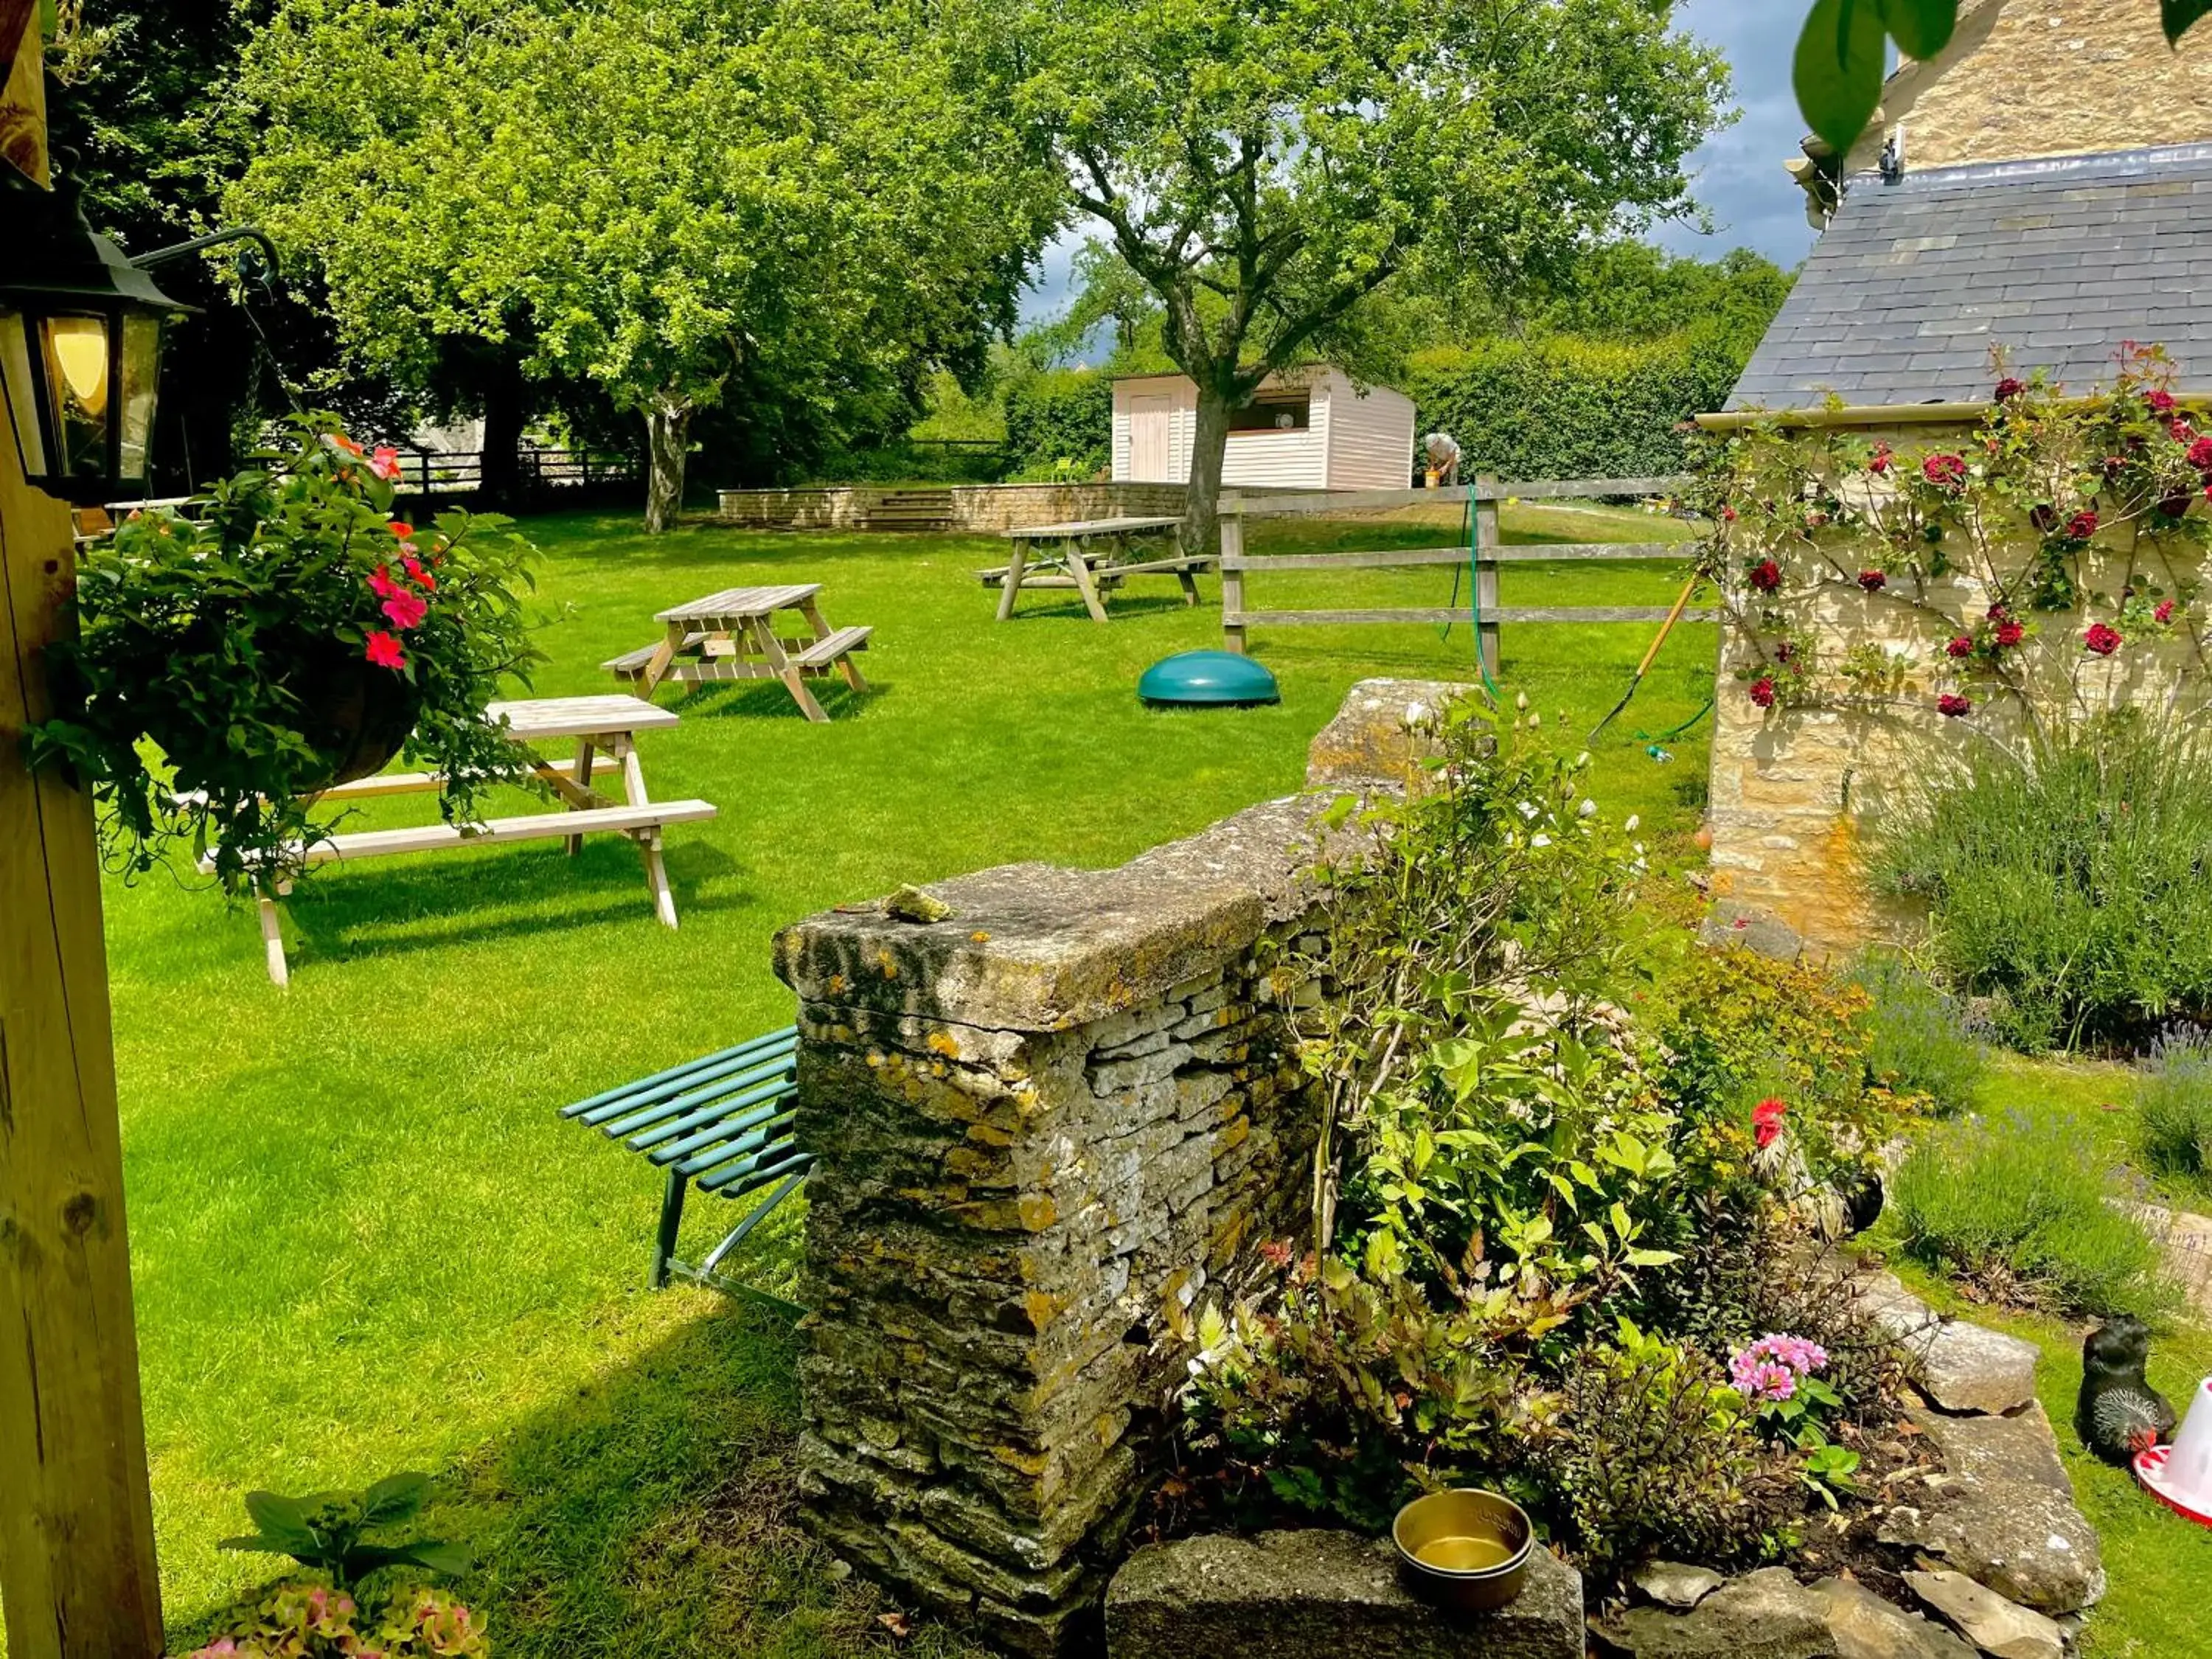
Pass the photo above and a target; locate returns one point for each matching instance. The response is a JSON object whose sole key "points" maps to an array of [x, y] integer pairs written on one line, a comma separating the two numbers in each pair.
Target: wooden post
{"points": [[1484, 501], [76, 1523], [1233, 577]]}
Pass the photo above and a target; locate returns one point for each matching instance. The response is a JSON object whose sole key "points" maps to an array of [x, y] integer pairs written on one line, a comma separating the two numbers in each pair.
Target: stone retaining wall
{"points": [[1045, 1125], [980, 508]]}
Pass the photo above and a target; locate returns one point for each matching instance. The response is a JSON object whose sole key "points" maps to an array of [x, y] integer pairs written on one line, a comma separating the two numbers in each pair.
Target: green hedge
{"points": [[1061, 414], [1568, 408]]}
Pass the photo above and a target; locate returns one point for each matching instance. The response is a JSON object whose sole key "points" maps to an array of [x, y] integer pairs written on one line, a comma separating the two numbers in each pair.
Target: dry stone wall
{"points": [[980, 508], [1046, 1124]]}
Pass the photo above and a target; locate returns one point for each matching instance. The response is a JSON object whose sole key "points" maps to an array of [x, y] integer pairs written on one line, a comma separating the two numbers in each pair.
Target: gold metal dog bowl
{"points": [[1465, 1550]]}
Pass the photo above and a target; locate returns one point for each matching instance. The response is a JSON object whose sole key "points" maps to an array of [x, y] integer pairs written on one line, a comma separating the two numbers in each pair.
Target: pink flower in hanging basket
{"points": [[381, 585], [2102, 638], [406, 610], [415, 570], [384, 651], [384, 462]]}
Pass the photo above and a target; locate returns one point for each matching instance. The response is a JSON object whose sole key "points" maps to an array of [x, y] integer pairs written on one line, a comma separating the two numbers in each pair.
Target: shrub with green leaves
{"points": [[1922, 1043], [2016, 1206], [327, 1530], [2173, 1106], [313, 1621], [2066, 878]]}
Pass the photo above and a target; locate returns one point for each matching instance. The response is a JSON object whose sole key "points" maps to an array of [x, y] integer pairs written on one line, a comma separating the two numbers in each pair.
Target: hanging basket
{"points": [[356, 715]]}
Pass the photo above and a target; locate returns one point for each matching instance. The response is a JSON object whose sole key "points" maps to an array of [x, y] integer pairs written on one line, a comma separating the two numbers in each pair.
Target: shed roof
{"points": [[2057, 261]]}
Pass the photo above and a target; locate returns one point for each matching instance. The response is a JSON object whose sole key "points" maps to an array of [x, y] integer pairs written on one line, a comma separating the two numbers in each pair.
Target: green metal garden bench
{"points": [[722, 1124]]}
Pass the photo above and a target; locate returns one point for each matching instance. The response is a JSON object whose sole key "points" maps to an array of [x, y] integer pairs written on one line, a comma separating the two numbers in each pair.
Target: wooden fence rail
{"points": [[445, 473], [1485, 556]]}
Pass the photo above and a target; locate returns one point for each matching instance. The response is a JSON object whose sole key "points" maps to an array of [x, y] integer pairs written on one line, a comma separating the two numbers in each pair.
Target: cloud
{"points": [[1738, 173]]}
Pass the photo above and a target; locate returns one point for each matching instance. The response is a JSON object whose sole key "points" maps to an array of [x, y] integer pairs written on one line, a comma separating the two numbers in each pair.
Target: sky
{"points": [[1739, 176]]}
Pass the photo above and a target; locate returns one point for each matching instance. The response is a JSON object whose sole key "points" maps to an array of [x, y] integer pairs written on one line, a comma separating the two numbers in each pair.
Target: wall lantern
{"points": [[80, 348]]}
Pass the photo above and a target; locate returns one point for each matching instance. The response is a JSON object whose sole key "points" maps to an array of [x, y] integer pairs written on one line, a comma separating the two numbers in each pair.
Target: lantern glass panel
{"points": [[141, 375], [22, 393], [77, 373]]}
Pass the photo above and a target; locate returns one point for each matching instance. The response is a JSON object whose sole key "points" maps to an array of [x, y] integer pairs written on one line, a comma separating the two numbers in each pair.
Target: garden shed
{"points": [[2061, 262], [1308, 428]]}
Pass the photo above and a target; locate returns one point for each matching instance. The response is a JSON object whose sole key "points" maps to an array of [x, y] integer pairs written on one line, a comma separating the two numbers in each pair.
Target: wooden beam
{"points": [[76, 1524]]}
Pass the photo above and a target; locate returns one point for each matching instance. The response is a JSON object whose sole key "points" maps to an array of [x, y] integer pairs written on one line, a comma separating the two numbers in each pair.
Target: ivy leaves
{"points": [[1843, 52]]}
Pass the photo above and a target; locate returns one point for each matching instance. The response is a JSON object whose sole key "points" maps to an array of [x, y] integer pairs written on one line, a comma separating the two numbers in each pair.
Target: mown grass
{"points": [[364, 1241]]}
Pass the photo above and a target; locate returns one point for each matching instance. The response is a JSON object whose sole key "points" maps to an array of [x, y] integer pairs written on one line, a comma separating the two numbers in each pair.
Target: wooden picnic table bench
{"points": [[731, 635], [604, 729], [1092, 555], [723, 1124]]}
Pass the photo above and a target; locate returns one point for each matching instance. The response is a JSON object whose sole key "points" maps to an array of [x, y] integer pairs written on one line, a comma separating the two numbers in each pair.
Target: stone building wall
{"points": [[1043, 1123], [2026, 78], [1796, 795]]}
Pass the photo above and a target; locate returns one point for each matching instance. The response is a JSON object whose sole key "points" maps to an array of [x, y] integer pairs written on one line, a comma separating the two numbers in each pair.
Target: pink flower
{"points": [[385, 463], [384, 651], [1873, 580], [2102, 638], [1961, 646], [406, 610], [2164, 612], [415, 570], [381, 585], [1770, 1368], [2160, 399], [1952, 706], [1762, 693]]}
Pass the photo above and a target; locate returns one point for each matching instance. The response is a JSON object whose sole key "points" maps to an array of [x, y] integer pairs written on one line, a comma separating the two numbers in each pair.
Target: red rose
{"points": [[1945, 472], [2181, 432], [2160, 399], [2102, 638], [1953, 706], [1873, 580], [1766, 1121], [1766, 576], [1961, 646], [1728, 516], [2010, 633], [384, 651], [2008, 388], [1883, 459], [1762, 692], [2176, 505], [2200, 454], [2164, 612], [2082, 525]]}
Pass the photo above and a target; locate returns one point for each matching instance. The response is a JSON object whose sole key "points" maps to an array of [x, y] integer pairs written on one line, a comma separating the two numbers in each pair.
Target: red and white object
{"points": [[2180, 1475]]}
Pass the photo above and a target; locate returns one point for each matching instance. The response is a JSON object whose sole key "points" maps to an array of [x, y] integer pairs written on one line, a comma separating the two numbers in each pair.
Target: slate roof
{"points": [[2058, 260]]}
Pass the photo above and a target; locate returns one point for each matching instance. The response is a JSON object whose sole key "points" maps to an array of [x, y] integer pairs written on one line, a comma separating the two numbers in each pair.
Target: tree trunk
{"points": [[1200, 530], [506, 410], [667, 437]]}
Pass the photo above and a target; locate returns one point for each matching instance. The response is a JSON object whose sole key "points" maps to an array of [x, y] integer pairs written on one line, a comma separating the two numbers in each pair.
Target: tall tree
{"points": [[1265, 166], [667, 198]]}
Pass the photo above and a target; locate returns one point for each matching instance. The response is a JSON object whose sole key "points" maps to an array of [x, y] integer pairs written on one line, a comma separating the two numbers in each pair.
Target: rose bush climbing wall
{"points": [[1894, 602]]}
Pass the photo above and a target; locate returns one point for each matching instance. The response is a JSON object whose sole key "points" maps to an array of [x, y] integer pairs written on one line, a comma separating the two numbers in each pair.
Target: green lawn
{"points": [[364, 1241]]}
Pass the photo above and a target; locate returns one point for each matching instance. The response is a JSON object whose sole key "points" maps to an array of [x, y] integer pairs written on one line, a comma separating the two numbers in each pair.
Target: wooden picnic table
{"points": [[1092, 555], [731, 635], [604, 729]]}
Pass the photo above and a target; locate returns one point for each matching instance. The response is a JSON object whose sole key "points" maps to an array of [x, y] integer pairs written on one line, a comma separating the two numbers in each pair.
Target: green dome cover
{"points": [[1207, 677]]}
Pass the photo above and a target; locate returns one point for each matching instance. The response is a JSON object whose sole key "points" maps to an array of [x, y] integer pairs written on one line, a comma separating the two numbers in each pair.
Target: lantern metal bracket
{"points": [[160, 256]]}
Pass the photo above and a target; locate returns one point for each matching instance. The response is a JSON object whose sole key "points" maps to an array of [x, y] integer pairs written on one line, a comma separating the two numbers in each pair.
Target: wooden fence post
{"points": [[1232, 512], [76, 1523], [1483, 499]]}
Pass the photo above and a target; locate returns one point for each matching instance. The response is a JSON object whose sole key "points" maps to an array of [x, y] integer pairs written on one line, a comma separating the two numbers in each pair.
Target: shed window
{"points": [[1274, 411]]}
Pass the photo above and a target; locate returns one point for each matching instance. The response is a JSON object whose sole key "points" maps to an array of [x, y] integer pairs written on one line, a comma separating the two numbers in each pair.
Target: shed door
{"points": [[1152, 424]]}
